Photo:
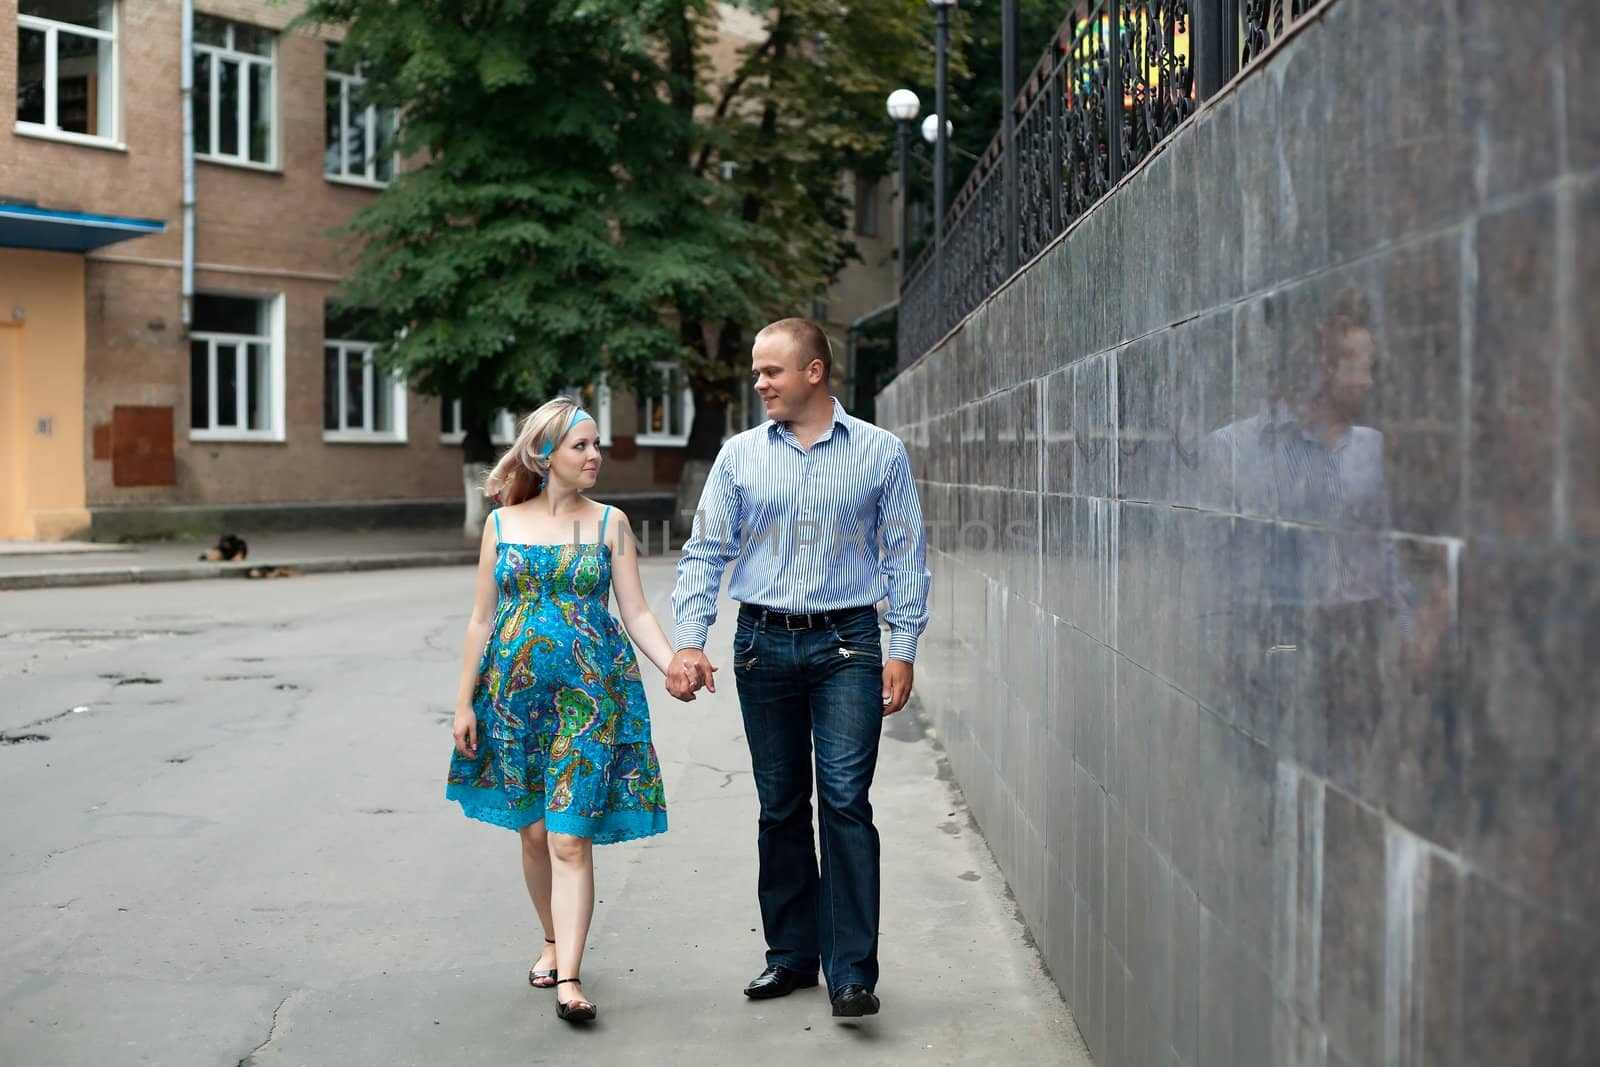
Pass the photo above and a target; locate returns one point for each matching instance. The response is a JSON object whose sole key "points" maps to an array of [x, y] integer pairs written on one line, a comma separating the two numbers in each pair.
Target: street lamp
{"points": [[903, 106], [941, 107], [930, 128]]}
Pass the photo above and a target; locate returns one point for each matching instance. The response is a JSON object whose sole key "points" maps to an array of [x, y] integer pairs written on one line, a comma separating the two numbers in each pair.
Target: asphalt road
{"points": [[225, 842]]}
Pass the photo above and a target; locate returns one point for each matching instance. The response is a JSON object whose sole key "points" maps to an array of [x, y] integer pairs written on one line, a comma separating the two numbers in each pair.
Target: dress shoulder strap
{"points": [[605, 517], [496, 514]]}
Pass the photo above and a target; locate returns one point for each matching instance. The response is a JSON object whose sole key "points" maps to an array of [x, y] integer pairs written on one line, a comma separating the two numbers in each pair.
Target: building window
{"points": [[67, 68], [360, 401], [502, 431], [359, 137], [236, 368], [866, 207], [745, 411], [666, 415], [233, 91]]}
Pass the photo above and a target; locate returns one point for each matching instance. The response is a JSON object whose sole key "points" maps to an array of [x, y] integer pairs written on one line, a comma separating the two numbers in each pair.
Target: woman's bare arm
{"points": [[632, 606], [478, 625]]}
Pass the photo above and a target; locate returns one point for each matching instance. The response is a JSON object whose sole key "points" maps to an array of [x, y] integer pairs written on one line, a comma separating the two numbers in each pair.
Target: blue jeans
{"points": [[822, 684]]}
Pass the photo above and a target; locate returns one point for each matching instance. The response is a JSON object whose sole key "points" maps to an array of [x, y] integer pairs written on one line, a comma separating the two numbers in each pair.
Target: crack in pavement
{"points": [[249, 1058], [727, 776]]}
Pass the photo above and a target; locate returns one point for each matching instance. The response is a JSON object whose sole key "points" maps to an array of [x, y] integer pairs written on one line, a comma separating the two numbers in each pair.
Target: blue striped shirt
{"points": [[836, 526]]}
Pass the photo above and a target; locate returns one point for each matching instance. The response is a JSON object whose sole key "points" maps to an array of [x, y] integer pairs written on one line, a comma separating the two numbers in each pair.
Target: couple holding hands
{"points": [[552, 729]]}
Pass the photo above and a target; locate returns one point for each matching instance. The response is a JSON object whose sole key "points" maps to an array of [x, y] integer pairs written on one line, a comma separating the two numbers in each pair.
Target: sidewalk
{"points": [[239, 852], [40, 565]]}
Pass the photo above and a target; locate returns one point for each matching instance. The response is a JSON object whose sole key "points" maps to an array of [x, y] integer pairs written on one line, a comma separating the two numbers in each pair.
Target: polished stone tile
{"points": [[1511, 485], [1145, 419], [1531, 984], [1352, 971], [1284, 178], [1581, 43], [1202, 396], [1188, 975], [1424, 143], [1298, 853], [1116, 876], [1512, 118], [1090, 679], [1416, 399], [1058, 443], [1219, 972], [1093, 420], [1582, 393], [1140, 597], [1138, 710], [1181, 249], [1219, 205], [1531, 623]]}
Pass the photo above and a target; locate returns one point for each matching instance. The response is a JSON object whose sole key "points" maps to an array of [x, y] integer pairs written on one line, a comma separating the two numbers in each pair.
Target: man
{"points": [[1314, 596], [819, 512]]}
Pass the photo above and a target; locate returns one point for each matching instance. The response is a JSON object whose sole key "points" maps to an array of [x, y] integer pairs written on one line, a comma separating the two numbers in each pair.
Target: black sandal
{"points": [[549, 977], [576, 1010]]}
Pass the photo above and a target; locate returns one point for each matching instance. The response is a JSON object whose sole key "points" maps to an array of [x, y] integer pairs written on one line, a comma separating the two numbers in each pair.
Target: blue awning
{"points": [[67, 231]]}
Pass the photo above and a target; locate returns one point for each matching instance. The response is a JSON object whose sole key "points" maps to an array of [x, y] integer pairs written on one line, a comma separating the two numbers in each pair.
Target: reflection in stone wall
{"points": [[1277, 700]]}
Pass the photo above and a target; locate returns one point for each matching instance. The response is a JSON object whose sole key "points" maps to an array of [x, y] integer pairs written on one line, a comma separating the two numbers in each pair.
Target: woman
{"points": [[552, 732]]}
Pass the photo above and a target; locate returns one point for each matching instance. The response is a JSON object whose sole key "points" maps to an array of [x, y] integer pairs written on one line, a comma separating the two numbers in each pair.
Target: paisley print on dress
{"points": [[564, 727]]}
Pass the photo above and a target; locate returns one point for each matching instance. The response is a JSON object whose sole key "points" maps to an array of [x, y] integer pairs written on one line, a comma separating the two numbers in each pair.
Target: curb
{"points": [[199, 572]]}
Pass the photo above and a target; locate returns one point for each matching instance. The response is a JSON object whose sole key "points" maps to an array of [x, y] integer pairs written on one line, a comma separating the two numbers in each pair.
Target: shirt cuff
{"points": [[690, 635], [903, 646]]}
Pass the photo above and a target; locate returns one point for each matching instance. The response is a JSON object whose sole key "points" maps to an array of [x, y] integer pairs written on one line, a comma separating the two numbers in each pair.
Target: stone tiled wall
{"points": [[1266, 543]]}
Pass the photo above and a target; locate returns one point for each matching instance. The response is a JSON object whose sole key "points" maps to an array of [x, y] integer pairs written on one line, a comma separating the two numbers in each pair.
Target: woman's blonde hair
{"points": [[521, 471]]}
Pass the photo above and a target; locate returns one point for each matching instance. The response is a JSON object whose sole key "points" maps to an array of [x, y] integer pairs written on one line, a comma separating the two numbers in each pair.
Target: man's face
{"points": [[1350, 377], [782, 383]]}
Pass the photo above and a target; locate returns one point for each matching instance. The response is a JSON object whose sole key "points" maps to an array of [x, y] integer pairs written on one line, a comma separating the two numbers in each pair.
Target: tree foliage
{"points": [[538, 235], [586, 191]]}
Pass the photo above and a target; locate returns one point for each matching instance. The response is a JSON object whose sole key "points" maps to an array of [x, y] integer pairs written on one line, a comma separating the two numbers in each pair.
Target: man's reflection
{"points": [[1315, 591]]}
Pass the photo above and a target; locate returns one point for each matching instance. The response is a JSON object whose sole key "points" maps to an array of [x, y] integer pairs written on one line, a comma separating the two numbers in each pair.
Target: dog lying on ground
{"points": [[228, 549]]}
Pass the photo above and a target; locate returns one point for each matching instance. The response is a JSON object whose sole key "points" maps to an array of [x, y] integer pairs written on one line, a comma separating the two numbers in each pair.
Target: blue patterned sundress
{"points": [[563, 726]]}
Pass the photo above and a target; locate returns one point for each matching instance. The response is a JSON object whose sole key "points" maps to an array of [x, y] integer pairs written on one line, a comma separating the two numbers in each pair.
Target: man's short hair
{"points": [[809, 341]]}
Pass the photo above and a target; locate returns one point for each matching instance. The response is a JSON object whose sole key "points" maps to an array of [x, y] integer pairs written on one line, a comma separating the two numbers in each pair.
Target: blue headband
{"points": [[549, 446]]}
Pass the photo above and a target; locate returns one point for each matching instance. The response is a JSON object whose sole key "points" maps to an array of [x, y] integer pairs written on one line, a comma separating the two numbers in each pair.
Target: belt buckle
{"points": [[788, 621]]}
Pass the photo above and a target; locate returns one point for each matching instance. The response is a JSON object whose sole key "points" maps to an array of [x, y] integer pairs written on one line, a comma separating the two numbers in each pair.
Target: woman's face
{"points": [[576, 460]]}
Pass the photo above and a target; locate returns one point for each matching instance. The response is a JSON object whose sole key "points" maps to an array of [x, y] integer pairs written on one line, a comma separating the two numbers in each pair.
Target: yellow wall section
{"points": [[42, 433]]}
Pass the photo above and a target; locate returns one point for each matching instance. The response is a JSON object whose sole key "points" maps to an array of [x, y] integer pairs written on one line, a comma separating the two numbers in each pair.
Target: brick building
{"points": [[115, 417]]}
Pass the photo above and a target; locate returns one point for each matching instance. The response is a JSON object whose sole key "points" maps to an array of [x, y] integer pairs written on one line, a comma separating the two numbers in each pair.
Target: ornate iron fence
{"points": [[1071, 141]]}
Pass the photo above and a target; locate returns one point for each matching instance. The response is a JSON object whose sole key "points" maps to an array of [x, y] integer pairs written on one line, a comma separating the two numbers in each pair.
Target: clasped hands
{"points": [[689, 672]]}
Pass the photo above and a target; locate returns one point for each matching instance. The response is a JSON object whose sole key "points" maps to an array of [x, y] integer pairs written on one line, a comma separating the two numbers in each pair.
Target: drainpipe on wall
{"points": [[186, 84]]}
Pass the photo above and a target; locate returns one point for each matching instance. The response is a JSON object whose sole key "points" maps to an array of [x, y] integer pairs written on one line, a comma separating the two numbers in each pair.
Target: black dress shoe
{"points": [[854, 1001], [778, 981]]}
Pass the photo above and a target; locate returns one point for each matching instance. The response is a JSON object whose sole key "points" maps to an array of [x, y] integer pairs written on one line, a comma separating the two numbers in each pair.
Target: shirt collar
{"points": [[842, 420], [1290, 419]]}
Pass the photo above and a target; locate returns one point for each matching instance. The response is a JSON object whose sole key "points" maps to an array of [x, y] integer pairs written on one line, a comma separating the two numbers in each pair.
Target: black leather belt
{"points": [[802, 620]]}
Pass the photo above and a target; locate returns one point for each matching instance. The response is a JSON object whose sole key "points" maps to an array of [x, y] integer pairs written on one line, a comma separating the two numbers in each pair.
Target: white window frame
{"points": [[50, 127], [371, 379], [349, 85], [226, 53], [675, 437], [502, 431], [748, 403], [275, 369]]}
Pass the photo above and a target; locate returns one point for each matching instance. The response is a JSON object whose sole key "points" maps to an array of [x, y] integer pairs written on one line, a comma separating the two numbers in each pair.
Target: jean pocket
{"points": [[744, 644]]}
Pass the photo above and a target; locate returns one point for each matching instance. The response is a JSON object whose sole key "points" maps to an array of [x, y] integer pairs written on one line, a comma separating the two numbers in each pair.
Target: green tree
{"points": [[802, 107], [538, 236]]}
